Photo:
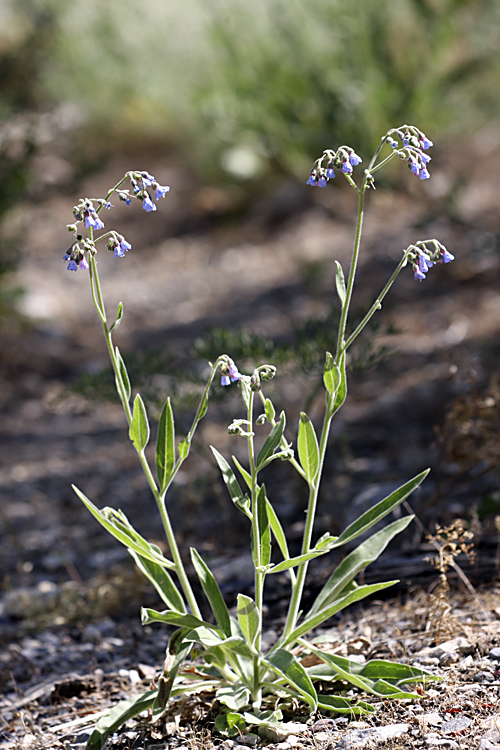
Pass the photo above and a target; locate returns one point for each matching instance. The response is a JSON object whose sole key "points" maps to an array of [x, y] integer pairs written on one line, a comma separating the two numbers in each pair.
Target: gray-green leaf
{"points": [[307, 444], [139, 428]]}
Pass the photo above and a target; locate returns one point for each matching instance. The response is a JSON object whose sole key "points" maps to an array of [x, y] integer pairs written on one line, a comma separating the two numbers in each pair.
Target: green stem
{"points": [[160, 500], [257, 551], [377, 304]]}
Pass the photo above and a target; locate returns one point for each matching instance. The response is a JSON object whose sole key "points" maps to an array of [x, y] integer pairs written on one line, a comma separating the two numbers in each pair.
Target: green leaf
{"points": [[269, 410], [341, 391], [272, 441], [173, 618], [248, 618], [380, 510], [356, 561], [165, 446], [123, 374], [277, 530], [212, 592], [231, 724], [264, 531], [139, 428], [118, 525], [241, 502], [343, 706], [118, 715], [354, 596], [322, 547], [161, 580], [307, 444], [340, 283], [234, 696], [286, 666], [183, 448], [331, 375], [119, 315], [353, 672]]}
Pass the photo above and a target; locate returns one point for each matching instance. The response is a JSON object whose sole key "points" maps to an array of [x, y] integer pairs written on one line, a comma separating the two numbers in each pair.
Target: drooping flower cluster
{"points": [[344, 159], [413, 145], [425, 254], [140, 182], [87, 214]]}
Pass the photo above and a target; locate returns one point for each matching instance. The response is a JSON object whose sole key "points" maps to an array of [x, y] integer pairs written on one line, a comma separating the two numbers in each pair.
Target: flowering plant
{"points": [[252, 684]]}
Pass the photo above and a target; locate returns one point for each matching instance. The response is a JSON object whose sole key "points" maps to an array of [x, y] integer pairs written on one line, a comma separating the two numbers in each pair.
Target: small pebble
{"points": [[494, 653]]}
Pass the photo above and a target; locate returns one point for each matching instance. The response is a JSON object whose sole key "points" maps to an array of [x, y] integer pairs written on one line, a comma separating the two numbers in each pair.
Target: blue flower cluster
{"points": [[140, 182], [414, 143], [324, 168], [424, 255], [86, 213]]}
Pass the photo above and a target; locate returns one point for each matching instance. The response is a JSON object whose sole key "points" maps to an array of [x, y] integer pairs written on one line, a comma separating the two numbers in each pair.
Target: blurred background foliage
{"points": [[240, 90]]}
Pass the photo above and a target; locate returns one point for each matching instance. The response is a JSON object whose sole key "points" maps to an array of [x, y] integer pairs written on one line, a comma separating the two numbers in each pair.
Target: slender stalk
{"points": [[257, 551], [377, 304], [160, 500]]}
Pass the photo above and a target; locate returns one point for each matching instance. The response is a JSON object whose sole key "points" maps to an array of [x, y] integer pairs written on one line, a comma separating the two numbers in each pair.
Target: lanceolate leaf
{"points": [[340, 283], [356, 561], [119, 315], [139, 429], [119, 715], [343, 706], [323, 546], [123, 374], [231, 483], [354, 596], [307, 444], [286, 665], [161, 580], [341, 391], [277, 530], [380, 510], [173, 618], [117, 524], [248, 618], [272, 441], [264, 531], [165, 446], [331, 374], [212, 593]]}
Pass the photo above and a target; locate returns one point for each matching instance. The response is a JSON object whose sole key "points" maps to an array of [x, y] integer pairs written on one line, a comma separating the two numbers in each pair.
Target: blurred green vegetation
{"points": [[240, 90], [243, 87]]}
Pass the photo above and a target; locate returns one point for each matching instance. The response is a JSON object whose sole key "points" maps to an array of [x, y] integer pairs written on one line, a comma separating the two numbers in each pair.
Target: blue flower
{"points": [[415, 167], [108, 205], [83, 264], [98, 224], [425, 158], [419, 276], [346, 168], [121, 249], [394, 144], [72, 266], [355, 159], [330, 172], [161, 191], [446, 256], [232, 374], [424, 262], [426, 143], [311, 180], [148, 204], [322, 181], [147, 178], [424, 173]]}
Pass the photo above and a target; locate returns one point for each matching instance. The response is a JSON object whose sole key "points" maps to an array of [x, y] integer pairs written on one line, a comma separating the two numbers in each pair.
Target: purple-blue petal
{"points": [[311, 180], [72, 266], [225, 380], [148, 204], [447, 257], [161, 191], [424, 174]]}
